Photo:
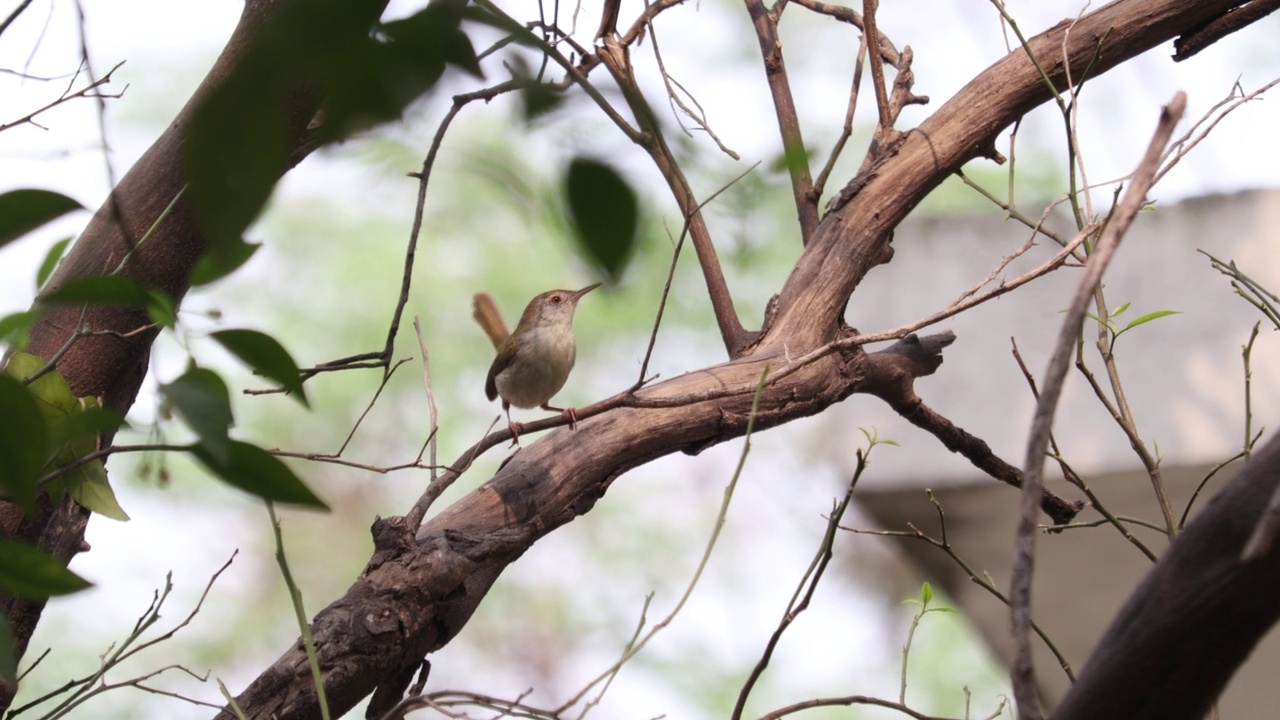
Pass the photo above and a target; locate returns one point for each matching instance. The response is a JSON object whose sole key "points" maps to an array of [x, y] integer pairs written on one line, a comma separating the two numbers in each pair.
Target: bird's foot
{"points": [[570, 414], [515, 428]]}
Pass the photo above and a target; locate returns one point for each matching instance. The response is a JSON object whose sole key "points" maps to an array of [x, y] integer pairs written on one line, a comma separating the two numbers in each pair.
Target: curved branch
{"points": [[111, 362], [420, 589], [1195, 617], [854, 237], [784, 105]]}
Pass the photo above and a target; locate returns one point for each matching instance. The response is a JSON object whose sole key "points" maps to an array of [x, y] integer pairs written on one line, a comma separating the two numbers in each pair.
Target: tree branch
{"points": [[615, 58], [854, 236], [1135, 196], [1194, 619], [1237, 18], [891, 377], [784, 105], [111, 363]]}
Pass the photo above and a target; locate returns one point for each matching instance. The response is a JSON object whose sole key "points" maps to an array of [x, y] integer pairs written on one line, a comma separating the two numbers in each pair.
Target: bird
{"points": [[534, 361]]}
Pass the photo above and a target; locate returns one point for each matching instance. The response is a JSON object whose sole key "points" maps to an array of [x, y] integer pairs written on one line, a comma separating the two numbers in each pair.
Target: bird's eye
{"points": [[556, 298]]}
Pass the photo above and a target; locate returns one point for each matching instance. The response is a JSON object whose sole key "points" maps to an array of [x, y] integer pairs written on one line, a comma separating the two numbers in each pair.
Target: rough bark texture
{"points": [[111, 367], [422, 585], [414, 598], [1194, 619]]}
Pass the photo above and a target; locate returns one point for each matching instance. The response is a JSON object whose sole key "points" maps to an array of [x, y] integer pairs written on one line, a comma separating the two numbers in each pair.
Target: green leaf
{"points": [[115, 290], [1149, 317], [1120, 310], [53, 394], [34, 574], [88, 486], [23, 442], [435, 31], [22, 211], [794, 158], [539, 98], [385, 73], [240, 138], [259, 473], [99, 290], [8, 658], [71, 425], [1095, 318], [201, 398], [216, 265], [89, 421], [266, 356], [605, 214], [73, 436], [51, 261], [926, 593], [13, 328]]}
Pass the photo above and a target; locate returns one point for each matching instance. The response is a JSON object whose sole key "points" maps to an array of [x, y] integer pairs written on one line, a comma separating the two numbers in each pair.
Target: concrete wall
{"points": [[1183, 378], [1182, 374]]}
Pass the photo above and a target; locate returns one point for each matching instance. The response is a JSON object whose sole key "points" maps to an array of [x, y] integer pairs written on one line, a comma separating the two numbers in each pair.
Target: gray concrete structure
{"points": [[1183, 376]]}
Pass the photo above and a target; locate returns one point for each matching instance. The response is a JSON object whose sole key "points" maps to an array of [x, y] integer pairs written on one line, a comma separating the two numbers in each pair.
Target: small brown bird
{"points": [[534, 361]]}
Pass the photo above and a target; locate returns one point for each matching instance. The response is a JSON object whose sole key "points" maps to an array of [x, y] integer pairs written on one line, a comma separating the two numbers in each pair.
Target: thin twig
{"points": [[439, 484], [846, 701], [877, 64], [1070, 474], [634, 648], [66, 96], [432, 416], [983, 581], [674, 89], [794, 151], [902, 331], [1201, 129], [382, 358], [94, 683], [671, 272], [1025, 690], [386, 377], [847, 131], [295, 599], [808, 584]]}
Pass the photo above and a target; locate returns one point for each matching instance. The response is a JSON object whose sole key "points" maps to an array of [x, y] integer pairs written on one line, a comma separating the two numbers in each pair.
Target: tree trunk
{"points": [[112, 367]]}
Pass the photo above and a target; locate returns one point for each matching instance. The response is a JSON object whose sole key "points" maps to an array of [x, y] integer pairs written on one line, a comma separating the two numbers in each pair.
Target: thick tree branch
{"points": [[616, 59], [784, 105], [1194, 619], [891, 377], [111, 363], [854, 237], [419, 590], [1234, 19], [1024, 685]]}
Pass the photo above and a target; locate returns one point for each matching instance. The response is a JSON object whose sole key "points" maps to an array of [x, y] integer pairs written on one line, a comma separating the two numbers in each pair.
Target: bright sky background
{"points": [[166, 46]]}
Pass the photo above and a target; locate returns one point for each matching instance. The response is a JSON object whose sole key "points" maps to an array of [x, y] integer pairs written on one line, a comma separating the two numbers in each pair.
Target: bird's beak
{"points": [[578, 295]]}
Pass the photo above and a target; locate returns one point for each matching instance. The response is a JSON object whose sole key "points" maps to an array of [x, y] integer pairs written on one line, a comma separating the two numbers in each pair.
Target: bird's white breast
{"points": [[539, 371]]}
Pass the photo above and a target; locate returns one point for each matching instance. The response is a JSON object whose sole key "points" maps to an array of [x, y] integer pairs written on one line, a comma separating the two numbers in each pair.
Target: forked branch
{"points": [[1033, 469]]}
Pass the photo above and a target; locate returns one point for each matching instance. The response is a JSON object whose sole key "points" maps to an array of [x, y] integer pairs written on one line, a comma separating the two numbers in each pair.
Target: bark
{"points": [[1194, 619], [422, 585], [111, 367], [417, 594]]}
